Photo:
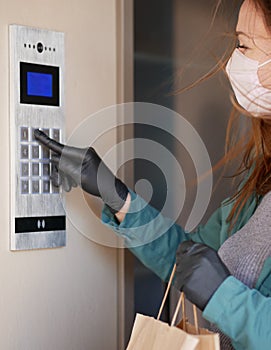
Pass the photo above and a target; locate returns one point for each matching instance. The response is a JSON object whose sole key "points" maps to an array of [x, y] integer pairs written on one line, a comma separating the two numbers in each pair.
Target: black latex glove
{"points": [[199, 272], [83, 167]]}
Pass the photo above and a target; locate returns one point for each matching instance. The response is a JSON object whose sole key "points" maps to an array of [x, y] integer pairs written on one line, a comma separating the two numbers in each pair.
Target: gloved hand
{"points": [[83, 167], [199, 272]]}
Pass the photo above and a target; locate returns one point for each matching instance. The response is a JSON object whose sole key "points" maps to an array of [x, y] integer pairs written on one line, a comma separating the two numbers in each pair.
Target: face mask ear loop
{"points": [[264, 63]]}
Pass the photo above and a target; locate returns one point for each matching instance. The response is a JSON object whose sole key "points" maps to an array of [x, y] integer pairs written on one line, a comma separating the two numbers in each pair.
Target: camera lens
{"points": [[40, 47]]}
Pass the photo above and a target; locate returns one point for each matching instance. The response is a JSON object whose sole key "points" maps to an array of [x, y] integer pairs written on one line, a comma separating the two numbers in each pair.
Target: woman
{"points": [[225, 266]]}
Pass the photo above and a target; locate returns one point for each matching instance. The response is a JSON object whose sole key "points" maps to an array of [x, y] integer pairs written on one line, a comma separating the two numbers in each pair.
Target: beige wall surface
{"points": [[61, 298]]}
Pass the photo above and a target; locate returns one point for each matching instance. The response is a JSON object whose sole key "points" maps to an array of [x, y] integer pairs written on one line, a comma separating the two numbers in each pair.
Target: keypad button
{"points": [[32, 134], [24, 133], [24, 152], [45, 153], [46, 186], [35, 169], [45, 169], [56, 134], [24, 186], [46, 131], [24, 169], [35, 152], [35, 186]]}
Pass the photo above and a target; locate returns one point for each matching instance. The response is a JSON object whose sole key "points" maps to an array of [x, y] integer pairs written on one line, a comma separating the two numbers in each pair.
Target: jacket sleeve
{"points": [[242, 313], [154, 238]]}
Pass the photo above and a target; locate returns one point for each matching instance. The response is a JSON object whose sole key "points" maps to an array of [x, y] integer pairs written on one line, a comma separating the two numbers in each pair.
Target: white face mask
{"points": [[249, 92]]}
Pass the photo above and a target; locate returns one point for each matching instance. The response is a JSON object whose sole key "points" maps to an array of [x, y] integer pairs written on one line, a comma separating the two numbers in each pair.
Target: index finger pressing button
{"points": [[48, 142]]}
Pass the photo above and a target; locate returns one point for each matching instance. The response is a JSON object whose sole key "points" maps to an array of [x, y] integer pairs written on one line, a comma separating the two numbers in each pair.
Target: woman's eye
{"points": [[241, 46]]}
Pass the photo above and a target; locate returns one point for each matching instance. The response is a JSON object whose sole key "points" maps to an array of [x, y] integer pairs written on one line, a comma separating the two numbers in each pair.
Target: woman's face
{"points": [[255, 39]]}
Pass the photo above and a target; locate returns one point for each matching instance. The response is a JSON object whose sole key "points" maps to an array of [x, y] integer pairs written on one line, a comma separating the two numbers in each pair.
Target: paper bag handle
{"points": [[181, 301], [166, 292]]}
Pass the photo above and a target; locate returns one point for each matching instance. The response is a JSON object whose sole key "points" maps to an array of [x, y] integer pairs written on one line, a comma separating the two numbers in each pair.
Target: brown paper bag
{"points": [[207, 339], [151, 334]]}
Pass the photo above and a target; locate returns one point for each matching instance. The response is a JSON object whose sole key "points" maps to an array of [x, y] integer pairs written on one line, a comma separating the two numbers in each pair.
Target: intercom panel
{"points": [[36, 101]]}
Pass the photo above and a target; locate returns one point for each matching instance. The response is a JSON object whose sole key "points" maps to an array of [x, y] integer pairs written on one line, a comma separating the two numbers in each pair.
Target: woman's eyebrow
{"points": [[245, 35], [238, 32]]}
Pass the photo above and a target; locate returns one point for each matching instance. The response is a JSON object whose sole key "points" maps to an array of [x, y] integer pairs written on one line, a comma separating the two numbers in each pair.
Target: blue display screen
{"points": [[39, 84]]}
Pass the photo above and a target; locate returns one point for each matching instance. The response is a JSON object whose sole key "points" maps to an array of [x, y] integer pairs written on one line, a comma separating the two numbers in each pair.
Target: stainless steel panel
{"points": [[24, 118]]}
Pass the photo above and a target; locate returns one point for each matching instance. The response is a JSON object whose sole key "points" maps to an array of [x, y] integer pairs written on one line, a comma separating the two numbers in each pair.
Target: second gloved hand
{"points": [[83, 167], [199, 272]]}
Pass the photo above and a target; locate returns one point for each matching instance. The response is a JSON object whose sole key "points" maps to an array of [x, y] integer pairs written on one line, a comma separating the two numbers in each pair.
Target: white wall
{"points": [[61, 298]]}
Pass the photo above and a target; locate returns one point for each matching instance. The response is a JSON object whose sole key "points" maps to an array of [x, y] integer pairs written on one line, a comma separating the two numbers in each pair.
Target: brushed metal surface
{"points": [[23, 48]]}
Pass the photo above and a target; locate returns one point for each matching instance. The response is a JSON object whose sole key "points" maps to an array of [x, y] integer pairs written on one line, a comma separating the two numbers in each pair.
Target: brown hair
{"points": [[254, 145], [256, 163], [255, 148], [265, 7]]}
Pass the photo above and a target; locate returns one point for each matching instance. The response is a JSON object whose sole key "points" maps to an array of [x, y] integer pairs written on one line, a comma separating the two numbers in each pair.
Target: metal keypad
{"points": [[24, 134], [35, 152], [35, 162], [24, 151]]}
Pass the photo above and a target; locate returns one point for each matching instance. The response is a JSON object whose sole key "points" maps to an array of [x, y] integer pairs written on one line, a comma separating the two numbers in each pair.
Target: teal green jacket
{"points": [[242, 313]]}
